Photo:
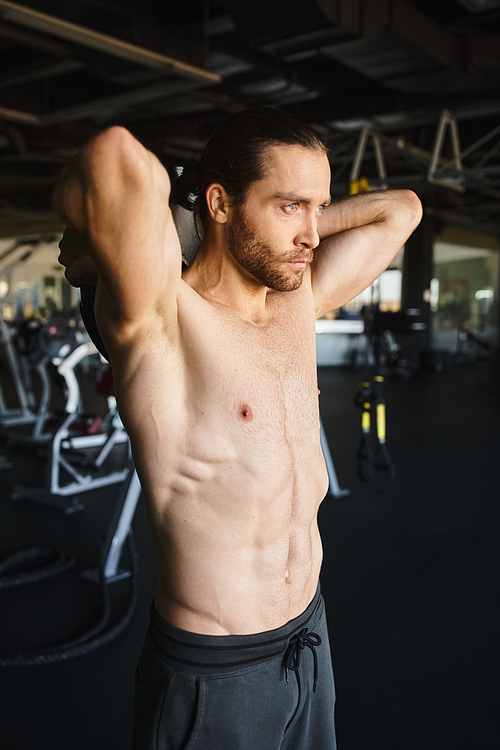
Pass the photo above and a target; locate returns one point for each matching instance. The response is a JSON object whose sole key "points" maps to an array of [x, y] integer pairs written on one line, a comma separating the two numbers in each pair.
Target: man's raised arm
{"points": [[359, 238], [114, 197]]}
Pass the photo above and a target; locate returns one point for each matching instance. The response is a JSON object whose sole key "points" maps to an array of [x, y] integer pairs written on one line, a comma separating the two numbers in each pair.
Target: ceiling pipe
{"points": [[73, 32]]}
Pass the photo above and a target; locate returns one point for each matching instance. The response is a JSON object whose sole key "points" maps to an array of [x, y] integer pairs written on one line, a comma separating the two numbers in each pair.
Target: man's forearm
{"points": [[368, 208]]}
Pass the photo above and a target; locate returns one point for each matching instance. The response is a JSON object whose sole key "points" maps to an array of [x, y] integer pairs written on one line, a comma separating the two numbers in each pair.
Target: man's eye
{"points": [[292, 206], [320, 209]]}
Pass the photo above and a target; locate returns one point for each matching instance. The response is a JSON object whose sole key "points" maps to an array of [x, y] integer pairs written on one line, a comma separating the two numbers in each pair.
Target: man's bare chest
{"points": [[252, 386], [230, 395], [226, 382]]}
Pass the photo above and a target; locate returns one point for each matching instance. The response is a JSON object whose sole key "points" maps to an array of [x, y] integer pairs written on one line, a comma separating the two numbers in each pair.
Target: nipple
{"points": [[245, 413]]}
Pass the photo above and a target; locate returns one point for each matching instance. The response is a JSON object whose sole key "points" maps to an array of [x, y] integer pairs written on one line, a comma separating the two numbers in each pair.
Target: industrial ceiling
{"points": [[407, 92]]}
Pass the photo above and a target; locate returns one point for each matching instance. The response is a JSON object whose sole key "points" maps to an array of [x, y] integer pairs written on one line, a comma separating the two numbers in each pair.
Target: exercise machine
{"points": [[25, 412], [79, 457]]}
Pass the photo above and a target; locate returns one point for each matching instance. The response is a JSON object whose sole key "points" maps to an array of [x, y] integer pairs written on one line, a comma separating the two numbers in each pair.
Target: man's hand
{"points": [[75, 257]]}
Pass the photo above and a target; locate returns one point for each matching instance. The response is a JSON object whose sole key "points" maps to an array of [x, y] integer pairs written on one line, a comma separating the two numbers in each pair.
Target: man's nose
{"points": [[308, 235]]}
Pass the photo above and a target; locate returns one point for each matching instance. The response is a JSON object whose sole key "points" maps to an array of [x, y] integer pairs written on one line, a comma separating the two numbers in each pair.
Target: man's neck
{"points": [[215, 275]]}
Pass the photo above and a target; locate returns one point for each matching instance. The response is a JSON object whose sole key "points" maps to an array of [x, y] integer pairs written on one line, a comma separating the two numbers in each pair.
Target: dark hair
{"points": [[233, 156]]}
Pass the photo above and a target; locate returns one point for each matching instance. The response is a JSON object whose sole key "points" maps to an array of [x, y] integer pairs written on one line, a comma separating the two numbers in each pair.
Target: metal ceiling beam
{"points": [[480, 180], [102, 42], [23, 118], [413, 112]]}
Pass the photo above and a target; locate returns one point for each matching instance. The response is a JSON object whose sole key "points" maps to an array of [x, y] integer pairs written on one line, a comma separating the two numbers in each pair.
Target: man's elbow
{"points": [[114, 141], [119, 164], [108, 154], [68, 198], [111, 162], [409, 211]]}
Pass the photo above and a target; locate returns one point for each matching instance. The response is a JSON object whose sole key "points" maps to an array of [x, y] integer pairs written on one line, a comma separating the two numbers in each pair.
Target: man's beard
{"points": [[256, 256]]}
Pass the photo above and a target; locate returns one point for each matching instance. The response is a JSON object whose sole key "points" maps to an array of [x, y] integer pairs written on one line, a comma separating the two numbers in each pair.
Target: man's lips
{"points": [[299, 262]]}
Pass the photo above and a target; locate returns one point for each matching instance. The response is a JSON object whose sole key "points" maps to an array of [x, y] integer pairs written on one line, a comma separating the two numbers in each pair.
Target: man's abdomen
{"points": [[238, 561]]}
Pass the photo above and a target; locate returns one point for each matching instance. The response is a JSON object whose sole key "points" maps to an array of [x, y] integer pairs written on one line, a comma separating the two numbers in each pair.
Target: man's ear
{"points": [[218, 203]]}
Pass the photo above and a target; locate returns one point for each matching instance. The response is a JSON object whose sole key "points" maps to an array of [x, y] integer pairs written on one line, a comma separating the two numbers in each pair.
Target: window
{"points": [[464, 289]]}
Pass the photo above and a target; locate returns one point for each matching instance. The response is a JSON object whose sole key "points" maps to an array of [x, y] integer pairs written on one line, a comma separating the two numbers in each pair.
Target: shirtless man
{"points": [[215, 377]]}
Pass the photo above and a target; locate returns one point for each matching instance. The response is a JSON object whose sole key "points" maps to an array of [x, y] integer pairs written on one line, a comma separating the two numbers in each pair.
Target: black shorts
{"points": [[267, 691]]}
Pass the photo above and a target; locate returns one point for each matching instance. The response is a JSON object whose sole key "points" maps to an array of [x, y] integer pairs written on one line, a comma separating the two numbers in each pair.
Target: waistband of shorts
{"points": [[197, 650]]}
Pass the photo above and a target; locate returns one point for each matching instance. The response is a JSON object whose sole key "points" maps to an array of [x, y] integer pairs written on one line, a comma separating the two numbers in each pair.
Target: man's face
{"points": [[272, 236]]}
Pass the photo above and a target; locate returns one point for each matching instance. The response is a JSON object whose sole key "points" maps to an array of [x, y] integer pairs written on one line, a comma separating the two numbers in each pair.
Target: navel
{"points": [[245, 413]]}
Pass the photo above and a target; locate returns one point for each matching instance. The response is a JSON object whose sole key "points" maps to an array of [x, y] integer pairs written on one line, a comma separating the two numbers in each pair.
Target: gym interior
{"points": [[407, 95]]}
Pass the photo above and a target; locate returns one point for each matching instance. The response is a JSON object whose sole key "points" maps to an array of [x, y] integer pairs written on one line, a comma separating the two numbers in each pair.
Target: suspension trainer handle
{"points": [[364, 399], [383, 459]]}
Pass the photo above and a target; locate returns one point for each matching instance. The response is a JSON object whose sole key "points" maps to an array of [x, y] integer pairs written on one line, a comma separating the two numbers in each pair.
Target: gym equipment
{"points": [[119, 529], [334, 489], [110, 554], [25, 412], [120, 524], [382, 461], [364, 398], [33, 357], [64, 445], [29, 359], [373, 464], [380, 351], [99, 635]]}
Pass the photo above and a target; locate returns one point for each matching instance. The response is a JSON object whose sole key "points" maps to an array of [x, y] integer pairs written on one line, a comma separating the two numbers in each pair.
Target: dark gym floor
{"points": [[410, 578]]}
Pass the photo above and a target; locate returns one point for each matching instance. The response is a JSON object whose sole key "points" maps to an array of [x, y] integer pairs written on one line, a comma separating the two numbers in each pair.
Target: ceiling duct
{"points": [[388, 41]]}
